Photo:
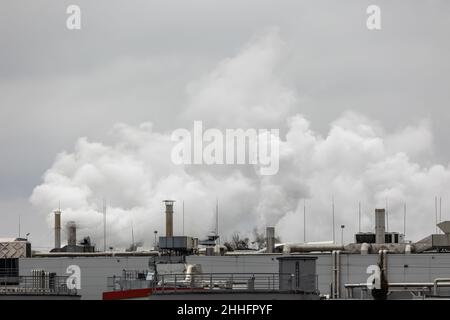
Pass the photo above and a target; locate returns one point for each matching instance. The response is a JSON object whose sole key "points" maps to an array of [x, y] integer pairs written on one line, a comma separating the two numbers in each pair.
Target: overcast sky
{"points": [[161, 62]]}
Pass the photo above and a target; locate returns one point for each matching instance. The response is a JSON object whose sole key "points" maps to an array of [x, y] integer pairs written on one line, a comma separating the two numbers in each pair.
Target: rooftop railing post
{"points": [[210, 281], [273, 281], [317, 283], [291, 280], [232, 280], [163, 283], [251, 283]]}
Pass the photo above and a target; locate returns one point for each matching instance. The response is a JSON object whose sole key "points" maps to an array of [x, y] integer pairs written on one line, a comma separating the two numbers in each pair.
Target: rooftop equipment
{"points": [[169, 217], [57, 228], [369, 237], [436, 242], [380, 220], [270, 239], [71, 233]]}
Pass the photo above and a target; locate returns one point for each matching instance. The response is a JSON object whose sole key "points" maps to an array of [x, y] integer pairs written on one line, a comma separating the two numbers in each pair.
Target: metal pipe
{"points": [[442, 282], [365, 248], [382, 258], [363, 286], [394, 284], [301, 247], [333, 281], [338, 271], [408, 249], [336, 281], [437, 281], [95, 254]]}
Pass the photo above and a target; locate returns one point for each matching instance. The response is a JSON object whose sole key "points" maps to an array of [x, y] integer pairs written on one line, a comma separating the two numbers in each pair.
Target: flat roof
{"points": [[297, 257]]}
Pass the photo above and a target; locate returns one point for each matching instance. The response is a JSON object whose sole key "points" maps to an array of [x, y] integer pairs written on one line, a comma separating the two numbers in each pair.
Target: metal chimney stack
{"points": [[71, 233], [58, 229], [380, 220], [270, 239], [169, 217]]}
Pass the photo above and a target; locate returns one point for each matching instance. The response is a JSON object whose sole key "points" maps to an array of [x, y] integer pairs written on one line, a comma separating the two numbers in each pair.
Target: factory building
{"points": [[410, 270]]}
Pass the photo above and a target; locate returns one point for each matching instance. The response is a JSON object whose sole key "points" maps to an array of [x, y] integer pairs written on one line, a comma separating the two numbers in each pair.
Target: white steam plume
{"points": [[355, 161]]}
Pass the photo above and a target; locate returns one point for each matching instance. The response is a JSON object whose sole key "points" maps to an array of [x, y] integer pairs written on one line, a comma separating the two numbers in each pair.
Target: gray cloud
{"points": [[139, 61]]}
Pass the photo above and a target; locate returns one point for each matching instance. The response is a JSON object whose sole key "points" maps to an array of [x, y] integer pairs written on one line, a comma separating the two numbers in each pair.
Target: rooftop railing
{"points": [[35, 285], [208, 281]]}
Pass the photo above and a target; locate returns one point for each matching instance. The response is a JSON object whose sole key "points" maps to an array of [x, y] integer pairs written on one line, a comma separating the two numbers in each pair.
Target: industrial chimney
{"points": [[58, 229], [71, 233], [270, 239], [169, 217], [380, 215]]}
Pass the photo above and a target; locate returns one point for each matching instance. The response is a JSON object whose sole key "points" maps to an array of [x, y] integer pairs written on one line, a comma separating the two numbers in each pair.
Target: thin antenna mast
{"points": [[404, 220], [359, 217], [132, 234], [436, 214], [183, 217], [19, 225], [332, 206], [217, 220], [304, 220], [387, 216], [104, 225]]}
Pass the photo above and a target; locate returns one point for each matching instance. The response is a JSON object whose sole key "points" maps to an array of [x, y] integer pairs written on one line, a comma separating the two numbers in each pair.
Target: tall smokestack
{"points": [[270, 239], [58, 228], [380, 218], [169, 217], [71, 233]]}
